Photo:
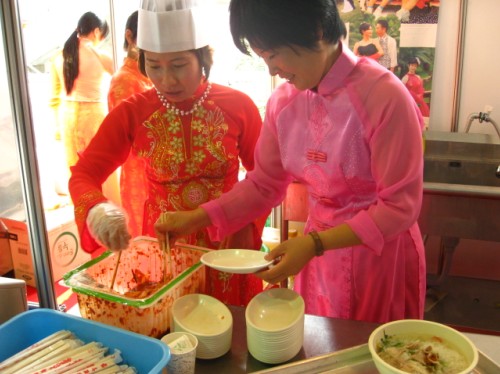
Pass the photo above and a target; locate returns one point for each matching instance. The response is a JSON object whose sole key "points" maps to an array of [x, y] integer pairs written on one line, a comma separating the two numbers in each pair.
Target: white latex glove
{"points": [[107, 224]]}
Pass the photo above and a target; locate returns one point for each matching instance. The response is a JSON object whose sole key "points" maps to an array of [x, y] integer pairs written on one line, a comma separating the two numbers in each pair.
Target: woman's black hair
{"points": [[132, 26], [363, 27], [414, 60], [268, 24], [204, 56], [87, 24]]}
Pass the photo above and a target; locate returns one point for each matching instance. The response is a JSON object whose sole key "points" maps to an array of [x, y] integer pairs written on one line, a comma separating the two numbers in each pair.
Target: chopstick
{"points": [[165, 246], [193, 247], [116, 269]]}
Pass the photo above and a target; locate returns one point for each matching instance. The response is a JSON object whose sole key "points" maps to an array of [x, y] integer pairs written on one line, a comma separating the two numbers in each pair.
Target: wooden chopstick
{"points": [[192, 247], [169, 257], [166, 251], [116, 270]]}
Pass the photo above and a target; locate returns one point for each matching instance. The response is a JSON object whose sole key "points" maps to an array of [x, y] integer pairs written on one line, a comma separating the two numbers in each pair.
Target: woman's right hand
{"points": [[107, 224], [176, 224]]}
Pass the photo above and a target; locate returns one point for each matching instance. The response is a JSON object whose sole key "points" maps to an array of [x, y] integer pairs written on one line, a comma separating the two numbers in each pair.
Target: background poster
{"points": [[413, 26]]}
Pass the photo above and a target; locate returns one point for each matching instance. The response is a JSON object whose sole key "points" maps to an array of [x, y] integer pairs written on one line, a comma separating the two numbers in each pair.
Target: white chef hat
{"points": [[173, 25]]}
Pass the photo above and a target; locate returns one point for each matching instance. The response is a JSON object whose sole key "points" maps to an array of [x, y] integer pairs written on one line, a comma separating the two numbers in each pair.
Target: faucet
{"points": [[482, 116]]}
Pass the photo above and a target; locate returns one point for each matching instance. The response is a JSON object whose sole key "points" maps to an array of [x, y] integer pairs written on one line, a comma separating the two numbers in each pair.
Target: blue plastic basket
{"points": [[147, 355]]}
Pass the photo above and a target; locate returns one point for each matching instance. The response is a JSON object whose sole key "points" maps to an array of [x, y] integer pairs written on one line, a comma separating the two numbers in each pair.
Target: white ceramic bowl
{"points": [[237, 261], [206, 318], [202, 314], [411, 327], [274, 310], [275, 325]]}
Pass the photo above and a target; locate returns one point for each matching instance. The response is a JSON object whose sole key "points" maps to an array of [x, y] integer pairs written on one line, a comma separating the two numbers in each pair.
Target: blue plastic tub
{"points": [[147, 355]]}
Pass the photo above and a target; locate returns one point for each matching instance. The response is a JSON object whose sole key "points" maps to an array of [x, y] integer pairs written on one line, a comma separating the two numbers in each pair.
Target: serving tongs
{"points": [[165, 247]]}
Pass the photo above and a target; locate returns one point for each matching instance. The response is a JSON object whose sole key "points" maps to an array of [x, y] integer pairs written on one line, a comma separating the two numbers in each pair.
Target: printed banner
{"points": [[400, 35]]}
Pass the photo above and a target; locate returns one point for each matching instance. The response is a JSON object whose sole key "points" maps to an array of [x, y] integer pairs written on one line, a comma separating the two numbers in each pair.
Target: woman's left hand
{"points": [[292, 255]]}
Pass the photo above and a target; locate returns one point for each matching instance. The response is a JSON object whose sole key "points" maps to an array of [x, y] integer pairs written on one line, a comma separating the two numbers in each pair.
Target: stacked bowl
{"points": [[206, 318], [275, 325]]}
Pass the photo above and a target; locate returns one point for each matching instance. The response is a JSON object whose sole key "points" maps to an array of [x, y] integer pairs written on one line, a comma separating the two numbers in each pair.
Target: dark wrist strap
{"points": [[319, 249]]}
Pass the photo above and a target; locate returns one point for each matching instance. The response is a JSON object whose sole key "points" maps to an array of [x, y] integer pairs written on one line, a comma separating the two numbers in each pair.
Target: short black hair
{"points": [[268, 24], [383, 23]]}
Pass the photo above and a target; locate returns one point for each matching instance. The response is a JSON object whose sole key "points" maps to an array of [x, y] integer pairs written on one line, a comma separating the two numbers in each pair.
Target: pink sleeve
{"points": [[394, 134]]}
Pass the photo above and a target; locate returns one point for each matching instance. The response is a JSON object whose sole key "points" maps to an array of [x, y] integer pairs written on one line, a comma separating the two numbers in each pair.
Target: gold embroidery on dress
{"points": [[86, 200], [169, 152], [186, 169], [194, 194]]}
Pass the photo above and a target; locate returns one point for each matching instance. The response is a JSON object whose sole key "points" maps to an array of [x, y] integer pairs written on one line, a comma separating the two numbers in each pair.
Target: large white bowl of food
{"points": [[418, 346]]}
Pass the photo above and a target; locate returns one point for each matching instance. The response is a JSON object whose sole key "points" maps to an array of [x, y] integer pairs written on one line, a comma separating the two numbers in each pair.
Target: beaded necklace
{"points": [[177, 111]]}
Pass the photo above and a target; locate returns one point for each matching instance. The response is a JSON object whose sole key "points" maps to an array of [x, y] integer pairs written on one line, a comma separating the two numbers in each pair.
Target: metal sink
{"points": [[462, 159], [462, 171]]}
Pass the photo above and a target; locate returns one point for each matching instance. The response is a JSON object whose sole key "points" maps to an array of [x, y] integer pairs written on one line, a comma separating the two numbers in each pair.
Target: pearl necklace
{"points": [[177, 111]]}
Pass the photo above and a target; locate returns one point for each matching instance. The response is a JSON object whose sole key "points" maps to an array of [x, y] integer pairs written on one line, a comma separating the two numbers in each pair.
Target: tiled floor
{"points": [[466, 302]]}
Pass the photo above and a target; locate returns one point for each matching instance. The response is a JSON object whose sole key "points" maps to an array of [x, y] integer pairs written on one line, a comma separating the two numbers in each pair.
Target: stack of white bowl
{"points": [[206, 318], [275, 325]]}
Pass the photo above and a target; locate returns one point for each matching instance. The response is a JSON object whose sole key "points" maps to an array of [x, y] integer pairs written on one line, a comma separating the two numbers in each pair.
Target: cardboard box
{"points": [[6, 264], [64, 244]]}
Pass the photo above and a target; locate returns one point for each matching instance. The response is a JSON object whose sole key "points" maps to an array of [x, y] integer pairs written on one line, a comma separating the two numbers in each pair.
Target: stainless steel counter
{"points": [[488, 344], [321, 336]]}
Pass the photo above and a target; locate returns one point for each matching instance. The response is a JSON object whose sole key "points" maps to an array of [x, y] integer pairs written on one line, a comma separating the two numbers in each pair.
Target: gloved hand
{"points": [[107, 224]]}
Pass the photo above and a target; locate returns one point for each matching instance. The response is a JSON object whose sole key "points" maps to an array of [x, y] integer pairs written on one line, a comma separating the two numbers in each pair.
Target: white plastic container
{"points": [[146, 312]]}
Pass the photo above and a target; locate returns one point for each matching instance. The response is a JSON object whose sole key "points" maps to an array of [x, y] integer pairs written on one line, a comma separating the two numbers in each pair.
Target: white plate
{"points": [[237, 261]]}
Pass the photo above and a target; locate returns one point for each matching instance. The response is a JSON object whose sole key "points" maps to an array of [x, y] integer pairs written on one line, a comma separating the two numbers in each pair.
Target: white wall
{"points": [[445, 68], [480, 76]]}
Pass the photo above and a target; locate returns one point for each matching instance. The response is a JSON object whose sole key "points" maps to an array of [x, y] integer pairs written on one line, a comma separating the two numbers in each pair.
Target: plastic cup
{"points": [[182, 352]]}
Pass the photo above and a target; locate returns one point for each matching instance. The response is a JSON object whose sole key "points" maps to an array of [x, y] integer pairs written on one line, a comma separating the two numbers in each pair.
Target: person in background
{"points": [[380, 8], [80, 77], [190, 135], [127, 81], [367, 46], [404, 12], [349, 131], [389, 59], [348, 6], [415, 85]]}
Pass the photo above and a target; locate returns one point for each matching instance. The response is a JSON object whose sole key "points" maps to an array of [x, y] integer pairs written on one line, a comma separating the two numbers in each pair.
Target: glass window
{"points": [[46, 25], [11, 195], [231, 67]]}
